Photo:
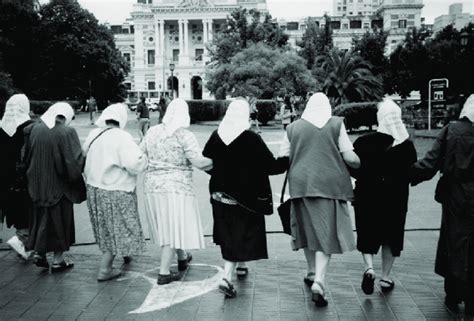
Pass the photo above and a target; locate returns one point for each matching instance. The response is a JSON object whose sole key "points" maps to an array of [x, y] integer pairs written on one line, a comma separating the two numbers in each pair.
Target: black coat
{"points": [[15, 203], [453, 154], [381, 192], [241, 170]]}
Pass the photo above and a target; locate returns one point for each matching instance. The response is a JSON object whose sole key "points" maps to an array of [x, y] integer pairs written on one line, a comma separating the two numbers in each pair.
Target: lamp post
{"points": [[172, 80]]}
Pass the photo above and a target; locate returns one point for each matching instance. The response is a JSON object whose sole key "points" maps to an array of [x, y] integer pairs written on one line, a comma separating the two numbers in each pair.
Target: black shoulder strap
{"points": [[100, 134], [282, 197]]}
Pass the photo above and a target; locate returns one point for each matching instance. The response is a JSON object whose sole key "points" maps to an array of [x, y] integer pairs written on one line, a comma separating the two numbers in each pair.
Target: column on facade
{"points": [[158, 58], [210, 31], [186, 38], [205, 38], [181, 37], [139, 62], [162, 37]]}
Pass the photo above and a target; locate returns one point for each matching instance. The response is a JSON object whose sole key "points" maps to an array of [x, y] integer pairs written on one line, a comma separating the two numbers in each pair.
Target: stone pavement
{"points": [[274, 289]]}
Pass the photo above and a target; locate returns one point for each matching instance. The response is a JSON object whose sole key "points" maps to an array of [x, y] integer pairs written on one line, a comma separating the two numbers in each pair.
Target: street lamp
{"points": [[172, 80], [464, 38]]}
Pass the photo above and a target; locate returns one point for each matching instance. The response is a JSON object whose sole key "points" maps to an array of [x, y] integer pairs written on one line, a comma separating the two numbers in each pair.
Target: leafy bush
{"points": [[267, 110], [357, 114], [39, 107], [206, 110]]}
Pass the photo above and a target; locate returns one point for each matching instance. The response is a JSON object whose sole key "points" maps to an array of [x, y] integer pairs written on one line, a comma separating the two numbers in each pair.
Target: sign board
{"points": [[436, 97]]}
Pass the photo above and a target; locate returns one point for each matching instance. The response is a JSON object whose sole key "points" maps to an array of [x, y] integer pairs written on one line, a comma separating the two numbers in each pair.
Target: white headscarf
{"points": [[468, 109], [318, 110], [176, 116], [389, 118], [117, 112], [58, 109], [17, 112], [236, 121]]}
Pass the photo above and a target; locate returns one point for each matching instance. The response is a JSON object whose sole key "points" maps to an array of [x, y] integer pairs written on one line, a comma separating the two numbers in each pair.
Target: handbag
{"points": [[284, 209]]}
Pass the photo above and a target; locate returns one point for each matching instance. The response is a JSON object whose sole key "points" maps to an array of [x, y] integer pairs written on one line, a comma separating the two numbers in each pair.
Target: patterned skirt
{"points": [[115, 221]]}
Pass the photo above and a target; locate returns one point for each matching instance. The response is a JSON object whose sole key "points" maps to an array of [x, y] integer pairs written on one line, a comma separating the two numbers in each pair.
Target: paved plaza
{"points": [[274, 289]]}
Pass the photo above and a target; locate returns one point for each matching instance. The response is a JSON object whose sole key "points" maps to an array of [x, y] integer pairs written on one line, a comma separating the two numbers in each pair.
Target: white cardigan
{"points": [[113, 161]]}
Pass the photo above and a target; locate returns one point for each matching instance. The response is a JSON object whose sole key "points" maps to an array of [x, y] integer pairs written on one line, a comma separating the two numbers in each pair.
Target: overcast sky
{"points": [[116, 11]]}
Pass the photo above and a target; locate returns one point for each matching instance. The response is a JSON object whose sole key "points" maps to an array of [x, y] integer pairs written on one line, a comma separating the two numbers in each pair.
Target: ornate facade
{"points": [[164, 32]]}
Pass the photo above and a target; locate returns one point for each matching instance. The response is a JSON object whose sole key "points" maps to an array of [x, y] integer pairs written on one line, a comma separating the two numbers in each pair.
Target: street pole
{"points": [[172, 85]]}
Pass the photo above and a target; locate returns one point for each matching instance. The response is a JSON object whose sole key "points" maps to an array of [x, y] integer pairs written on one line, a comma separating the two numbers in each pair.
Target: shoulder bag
{"points": [[284, 209]]}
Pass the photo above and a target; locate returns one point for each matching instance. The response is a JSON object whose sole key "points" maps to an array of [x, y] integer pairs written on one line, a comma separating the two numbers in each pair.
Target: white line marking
{"points": [[164, 296]]}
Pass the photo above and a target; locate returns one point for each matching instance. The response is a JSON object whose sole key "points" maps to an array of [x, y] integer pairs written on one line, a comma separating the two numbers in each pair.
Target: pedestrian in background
{"points": [[287, 112], [321, 224], [254, 114], [113, 162], [381, 193], [240, 191], [15, 203], [54, 172], [143, 117], [452, 155], [92, 106], [171, 205]]}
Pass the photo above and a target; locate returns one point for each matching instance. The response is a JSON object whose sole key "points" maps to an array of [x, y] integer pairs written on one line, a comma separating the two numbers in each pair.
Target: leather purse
{"points": [[284, 210]]}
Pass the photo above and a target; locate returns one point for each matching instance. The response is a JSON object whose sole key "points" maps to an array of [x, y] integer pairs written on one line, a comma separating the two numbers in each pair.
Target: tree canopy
{"points": [[316, 41], [55, 53]]}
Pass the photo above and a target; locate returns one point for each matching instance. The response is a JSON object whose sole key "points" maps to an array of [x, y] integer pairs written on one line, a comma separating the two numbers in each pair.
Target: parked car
{"points": [[151, 107]]}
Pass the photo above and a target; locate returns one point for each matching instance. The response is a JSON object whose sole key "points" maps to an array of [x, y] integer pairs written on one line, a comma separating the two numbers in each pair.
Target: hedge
{"points": [[209, 110], [357, 114], [39, 107]]}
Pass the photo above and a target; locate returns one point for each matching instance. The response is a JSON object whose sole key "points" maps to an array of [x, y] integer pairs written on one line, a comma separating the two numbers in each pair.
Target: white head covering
{"points": [[117, 112], [176, 116], [58, 109], [318, 110], [468, 109], [389, 117], [236, 121], [17, 111]]}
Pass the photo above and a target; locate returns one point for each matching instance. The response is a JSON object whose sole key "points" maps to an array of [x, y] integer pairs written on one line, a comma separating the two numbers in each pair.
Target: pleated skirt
{"points": [[173, 219], [322, 225]]}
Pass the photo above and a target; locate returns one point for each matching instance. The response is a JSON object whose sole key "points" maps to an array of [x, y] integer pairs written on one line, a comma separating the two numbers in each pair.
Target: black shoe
{"points": [[40, 261], [127, 259], [318, 297], [242, 272], [184, 264], [368, 282], [165, 279], [309, 279], [387, 286], [228, 289], [63, 266]]}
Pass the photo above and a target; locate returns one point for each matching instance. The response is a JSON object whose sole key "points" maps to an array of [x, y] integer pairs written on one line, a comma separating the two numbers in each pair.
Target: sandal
{"points": [[227, 289], [309, 279], [388, 287], [40, 261], [63, 266], [127, 259], [109, 276], [368, 282], [318, 297], [242, 272]]}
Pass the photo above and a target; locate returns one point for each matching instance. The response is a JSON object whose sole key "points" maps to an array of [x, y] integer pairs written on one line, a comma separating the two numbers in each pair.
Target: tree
{"points": [[263, 72], [345, 77], [73, 52], [315, 41], [242, 29], [18, 21]]}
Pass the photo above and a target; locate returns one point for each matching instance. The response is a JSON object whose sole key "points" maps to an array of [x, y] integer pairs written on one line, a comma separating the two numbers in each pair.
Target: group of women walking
{"points": [[46, 170]]}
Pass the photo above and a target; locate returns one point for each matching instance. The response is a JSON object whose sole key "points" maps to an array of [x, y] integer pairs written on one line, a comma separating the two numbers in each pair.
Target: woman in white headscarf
{"points": [[172, 210], [240, 191], [381, 193], [320, 188], [452, 154], [113, 161], [15, 203], [54, 171]]}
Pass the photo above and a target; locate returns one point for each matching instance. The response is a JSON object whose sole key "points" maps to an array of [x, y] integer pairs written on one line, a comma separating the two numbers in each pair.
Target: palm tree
{"points": [[346, 77]]}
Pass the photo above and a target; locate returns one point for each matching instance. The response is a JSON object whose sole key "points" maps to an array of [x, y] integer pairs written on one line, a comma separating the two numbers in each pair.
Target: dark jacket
{"points": [[453, 154], [54, 164], [241, 170]]}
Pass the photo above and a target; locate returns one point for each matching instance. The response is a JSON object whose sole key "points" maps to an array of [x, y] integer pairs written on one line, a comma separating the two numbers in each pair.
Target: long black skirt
{"points": [[240, 233], [52, 228]]}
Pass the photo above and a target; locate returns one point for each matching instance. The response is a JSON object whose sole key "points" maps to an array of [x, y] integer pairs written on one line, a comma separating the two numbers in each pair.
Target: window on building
{"points": [[356, 24], [336, 24], [350, 13], [360, 1], [402, 24], [151, 85], [345, 26], [141, 1], [292, 26], [150, 1], [198, 53], [359, 13], [127, 57], [128, 86], [366, 25], [351, 1], [175, 54], [338, 8], [151, 57]]}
